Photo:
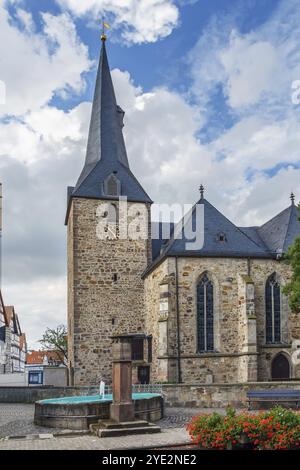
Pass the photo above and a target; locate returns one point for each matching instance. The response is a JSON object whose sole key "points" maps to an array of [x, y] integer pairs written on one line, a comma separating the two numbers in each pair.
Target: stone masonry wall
{"points": [[106, 292], [218, 395], [239, 306]]}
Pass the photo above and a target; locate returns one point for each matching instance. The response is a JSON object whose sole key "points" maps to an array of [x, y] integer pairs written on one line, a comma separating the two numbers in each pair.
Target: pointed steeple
{"points": [[105, 135], [280, 232], [106, 158]]}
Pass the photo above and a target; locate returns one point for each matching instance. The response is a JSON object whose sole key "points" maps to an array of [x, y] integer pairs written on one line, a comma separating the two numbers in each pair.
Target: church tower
{"points": [[109, 246]]}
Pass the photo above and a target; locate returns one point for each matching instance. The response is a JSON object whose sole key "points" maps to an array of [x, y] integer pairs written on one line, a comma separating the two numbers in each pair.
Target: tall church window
{"points": [[205, 314], [273, 310]]}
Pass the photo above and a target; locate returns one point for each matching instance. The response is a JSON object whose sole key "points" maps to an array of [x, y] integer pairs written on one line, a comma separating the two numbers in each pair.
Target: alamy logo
{"points": [[124, 221], [2, 92], [296, 93]]}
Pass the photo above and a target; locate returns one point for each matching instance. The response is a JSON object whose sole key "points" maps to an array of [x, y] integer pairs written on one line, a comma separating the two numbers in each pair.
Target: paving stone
{"points": [[17, 420], [165, 438]]}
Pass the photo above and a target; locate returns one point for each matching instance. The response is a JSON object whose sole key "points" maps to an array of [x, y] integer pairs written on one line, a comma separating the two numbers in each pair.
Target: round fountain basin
{"points": [[79, 412]]}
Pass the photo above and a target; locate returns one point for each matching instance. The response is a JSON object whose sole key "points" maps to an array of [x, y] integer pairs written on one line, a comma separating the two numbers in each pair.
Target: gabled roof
{"points": [[221, 237], [252, 232], [280, 232], [106, 152], [10, 313], [23, 341], [267, 241], [161, 233], [38, 357], [13, 317]]}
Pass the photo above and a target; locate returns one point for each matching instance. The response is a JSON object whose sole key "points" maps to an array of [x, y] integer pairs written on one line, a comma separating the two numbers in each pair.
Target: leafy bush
{"points": [[277, 429]]}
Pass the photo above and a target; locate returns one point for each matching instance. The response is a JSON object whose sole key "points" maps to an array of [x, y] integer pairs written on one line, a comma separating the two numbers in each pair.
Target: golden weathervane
{"points": [[104, 27]]}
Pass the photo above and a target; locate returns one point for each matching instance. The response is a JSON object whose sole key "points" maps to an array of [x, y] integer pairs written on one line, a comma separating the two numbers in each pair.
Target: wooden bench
{"points": [[273, 396]]}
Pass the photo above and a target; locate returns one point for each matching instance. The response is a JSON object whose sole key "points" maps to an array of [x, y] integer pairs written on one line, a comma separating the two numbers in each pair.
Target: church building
{"points": [[215, 314]]}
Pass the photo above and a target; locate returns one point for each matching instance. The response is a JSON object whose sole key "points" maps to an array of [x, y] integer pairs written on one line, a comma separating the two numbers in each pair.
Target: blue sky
{"points": [[207, 91], [164, 62]]}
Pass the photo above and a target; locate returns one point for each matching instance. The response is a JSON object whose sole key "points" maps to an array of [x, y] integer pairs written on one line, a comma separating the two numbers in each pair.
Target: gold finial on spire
{"points": [[104, 26]]}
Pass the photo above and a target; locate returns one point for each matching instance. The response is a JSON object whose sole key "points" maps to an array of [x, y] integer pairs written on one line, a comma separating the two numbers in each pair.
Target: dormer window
{"points": [[112, 186], [221, 237]]}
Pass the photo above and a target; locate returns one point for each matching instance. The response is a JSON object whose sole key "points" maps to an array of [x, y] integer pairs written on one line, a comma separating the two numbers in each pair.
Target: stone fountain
{"points": [[122, 410], [105, 415]]}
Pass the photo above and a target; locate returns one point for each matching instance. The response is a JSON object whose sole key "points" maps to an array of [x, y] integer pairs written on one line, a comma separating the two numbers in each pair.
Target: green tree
{"points": [[292, 289], [55, 339]]}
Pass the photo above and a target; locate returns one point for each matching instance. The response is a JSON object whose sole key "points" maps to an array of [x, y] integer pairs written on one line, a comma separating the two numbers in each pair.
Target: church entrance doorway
{"points": [[280, 367]]}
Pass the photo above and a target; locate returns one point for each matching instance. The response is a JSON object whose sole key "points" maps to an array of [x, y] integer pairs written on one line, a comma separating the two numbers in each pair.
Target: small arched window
{"points": [[205, 314], [221, 237], [273, 310], [112, 186]]}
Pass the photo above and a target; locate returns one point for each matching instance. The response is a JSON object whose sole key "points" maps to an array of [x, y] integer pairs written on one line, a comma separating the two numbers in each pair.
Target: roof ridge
{"points": [[135, 179], [256, 228], [289, 224], [175, 230], [190, 214], [274, 217], [228, 220]]}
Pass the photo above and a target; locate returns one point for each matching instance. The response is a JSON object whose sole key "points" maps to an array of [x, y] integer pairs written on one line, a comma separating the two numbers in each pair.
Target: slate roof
{"points": [[280, 232], [267, 241], [252, 232], [237, 243], [106, 152], [160, 236]]}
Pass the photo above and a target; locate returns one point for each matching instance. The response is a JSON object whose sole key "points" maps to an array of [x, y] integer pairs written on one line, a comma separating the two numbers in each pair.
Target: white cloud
{"points": [[26, 20], [250, 68], [255, 70], [42, 305], [39, 65], [140, 21]]}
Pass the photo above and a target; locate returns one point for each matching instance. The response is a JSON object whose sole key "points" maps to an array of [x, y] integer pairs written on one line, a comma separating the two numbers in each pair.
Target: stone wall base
{"points": [[218, 395]]}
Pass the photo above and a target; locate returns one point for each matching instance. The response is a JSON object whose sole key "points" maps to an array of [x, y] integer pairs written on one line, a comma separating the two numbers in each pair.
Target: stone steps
{"points": [[126, 424], [112, 429]]}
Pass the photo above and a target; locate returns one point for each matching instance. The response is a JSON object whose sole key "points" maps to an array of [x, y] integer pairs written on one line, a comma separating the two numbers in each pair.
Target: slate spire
{"points": [[280, 232], [106, 152]]}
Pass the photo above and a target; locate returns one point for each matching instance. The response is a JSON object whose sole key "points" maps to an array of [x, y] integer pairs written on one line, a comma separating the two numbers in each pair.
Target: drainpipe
{"points": [[178, 323]]}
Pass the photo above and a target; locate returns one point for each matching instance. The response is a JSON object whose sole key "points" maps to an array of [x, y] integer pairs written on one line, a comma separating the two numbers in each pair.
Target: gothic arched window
{"points": [[112, 186], [205, 314], [273, 310]]}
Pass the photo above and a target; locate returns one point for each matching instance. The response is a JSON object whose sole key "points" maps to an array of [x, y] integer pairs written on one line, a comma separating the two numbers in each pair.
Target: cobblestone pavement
{"points": [[166, 438], [17, 419]]}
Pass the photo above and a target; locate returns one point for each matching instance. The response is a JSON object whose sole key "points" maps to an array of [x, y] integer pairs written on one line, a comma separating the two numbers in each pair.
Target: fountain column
{"points": [[122, 408]]}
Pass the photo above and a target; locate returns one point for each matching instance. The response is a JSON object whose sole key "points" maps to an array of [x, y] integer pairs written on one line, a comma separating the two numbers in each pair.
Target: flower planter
{"points": [[278, 429]]}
